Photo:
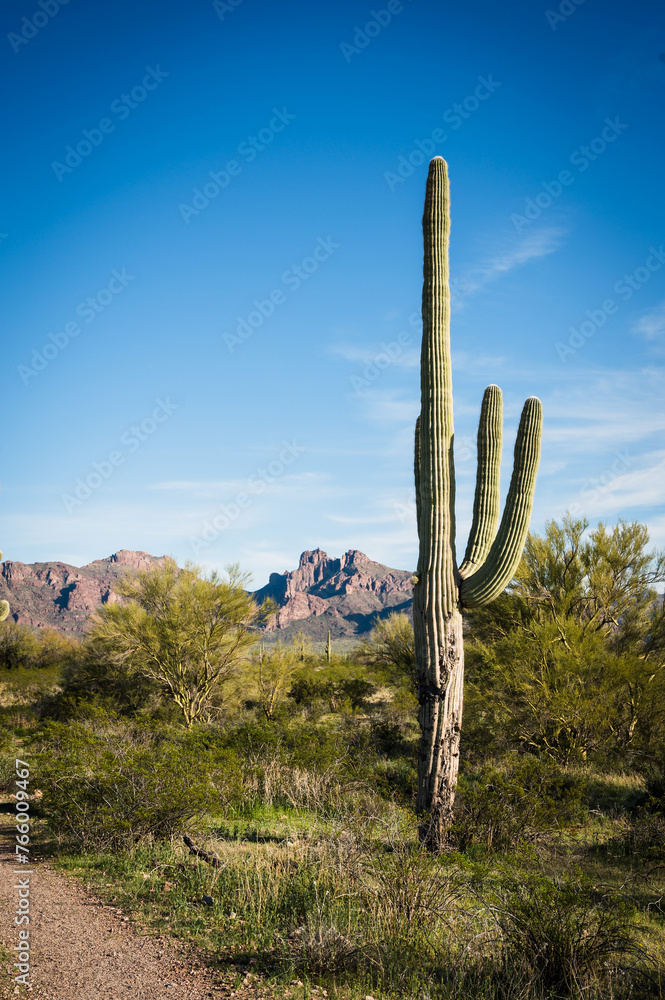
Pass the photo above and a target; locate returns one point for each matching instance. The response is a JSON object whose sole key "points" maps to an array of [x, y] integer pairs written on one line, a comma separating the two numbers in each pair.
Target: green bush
{"points": [[498, 808], [20, 647], [566, 933], [109, 784], [97, 678], [332, 688]]}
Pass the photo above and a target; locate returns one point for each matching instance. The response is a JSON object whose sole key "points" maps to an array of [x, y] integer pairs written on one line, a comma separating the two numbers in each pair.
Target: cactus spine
{"points": [[441, 589], [4, 605]]}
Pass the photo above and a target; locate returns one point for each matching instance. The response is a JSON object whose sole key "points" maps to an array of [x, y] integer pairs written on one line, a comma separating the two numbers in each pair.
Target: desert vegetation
{"points": [[298, 779]]}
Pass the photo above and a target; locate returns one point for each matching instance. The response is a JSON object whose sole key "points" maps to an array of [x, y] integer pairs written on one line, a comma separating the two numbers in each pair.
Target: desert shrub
{"points": [[297, 765], [397, 780], [642, 836], [331, 688], [655, 785], [109, 784], [497, 808], [406, 889], [565, 932], [320, 947], [7, 771], [20, 647], [97, 678]]}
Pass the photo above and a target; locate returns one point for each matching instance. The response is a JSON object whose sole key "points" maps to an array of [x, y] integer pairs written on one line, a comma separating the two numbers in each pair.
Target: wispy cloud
{"points": [[652, 324], [407, 357], [261, 482], [535, 245], [189, 485], [390, 407]]}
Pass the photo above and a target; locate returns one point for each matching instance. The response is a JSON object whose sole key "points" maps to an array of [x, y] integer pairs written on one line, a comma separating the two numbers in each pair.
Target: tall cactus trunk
{"points": [[441, 590], [437, 619]]}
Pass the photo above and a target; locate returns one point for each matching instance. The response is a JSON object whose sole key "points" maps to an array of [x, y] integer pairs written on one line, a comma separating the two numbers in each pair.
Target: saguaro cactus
{"points": [[4, 605], [441, 588]]}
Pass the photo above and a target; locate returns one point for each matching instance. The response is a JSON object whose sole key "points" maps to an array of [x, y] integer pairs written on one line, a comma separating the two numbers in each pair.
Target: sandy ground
{"points": [[83, 948]]}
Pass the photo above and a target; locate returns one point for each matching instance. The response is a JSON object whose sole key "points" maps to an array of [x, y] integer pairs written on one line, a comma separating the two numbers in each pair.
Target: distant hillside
{"points": [[56, 595], [341, 595]]}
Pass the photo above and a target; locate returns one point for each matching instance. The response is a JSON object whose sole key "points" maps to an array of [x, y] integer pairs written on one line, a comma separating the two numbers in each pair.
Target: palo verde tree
{"points": [[275, 667], [186, 631], [572, 656], [441, 588], [390, 644]]}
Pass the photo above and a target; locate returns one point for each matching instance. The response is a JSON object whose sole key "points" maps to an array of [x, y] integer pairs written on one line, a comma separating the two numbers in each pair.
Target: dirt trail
{"points": [[83, 948]]}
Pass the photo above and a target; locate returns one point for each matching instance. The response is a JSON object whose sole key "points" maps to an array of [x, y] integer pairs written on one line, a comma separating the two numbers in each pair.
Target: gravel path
{"points": [[84, 949]]}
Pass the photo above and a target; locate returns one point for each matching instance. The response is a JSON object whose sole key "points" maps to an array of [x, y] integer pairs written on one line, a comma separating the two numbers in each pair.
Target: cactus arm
{"points": [[495, 574], [486, 502], [416, 472]]}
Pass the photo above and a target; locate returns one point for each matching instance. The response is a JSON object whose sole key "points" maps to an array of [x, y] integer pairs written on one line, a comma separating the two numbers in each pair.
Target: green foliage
{"points": [[20, 647], [331, 688], [108, 784], [498, 808], [100, 677], [570, 661], [273, 668], [390, 644], [184, 631], [602, 582], [570, 935]]}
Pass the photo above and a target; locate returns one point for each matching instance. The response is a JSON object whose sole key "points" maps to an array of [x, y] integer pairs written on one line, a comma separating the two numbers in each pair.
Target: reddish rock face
{"points": [[343, 595], [56, 595], [351, 590]]}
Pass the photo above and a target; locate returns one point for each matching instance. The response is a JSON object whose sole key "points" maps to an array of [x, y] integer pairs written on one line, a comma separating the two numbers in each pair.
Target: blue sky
{"points": [[212, 260]]}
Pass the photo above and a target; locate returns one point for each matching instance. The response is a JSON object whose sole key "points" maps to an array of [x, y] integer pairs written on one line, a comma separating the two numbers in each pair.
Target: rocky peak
{"points": [[350, 585], [57, 595]]}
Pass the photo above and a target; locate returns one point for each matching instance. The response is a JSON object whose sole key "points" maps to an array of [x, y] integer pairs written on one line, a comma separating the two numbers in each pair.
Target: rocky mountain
{"points": [[341, 595], [56, 595]]}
